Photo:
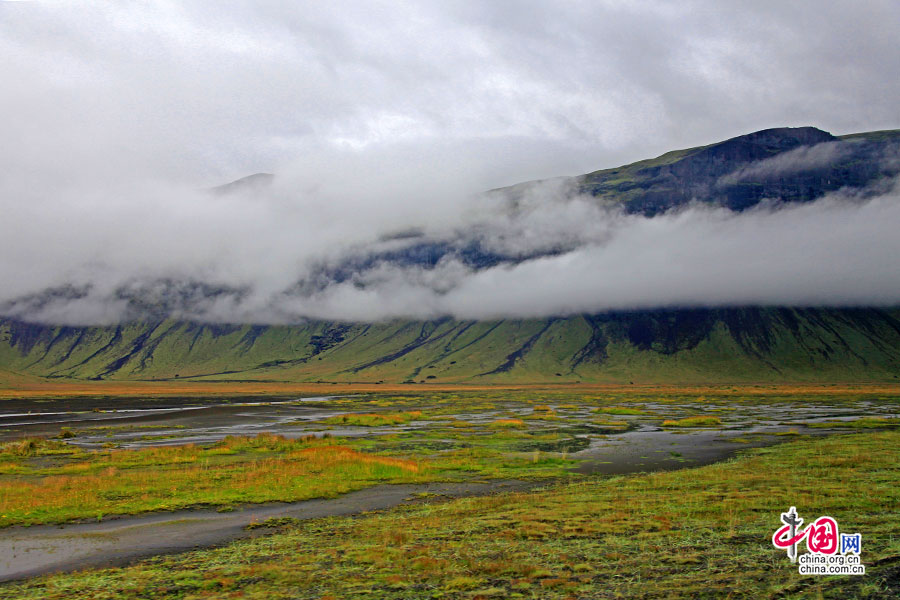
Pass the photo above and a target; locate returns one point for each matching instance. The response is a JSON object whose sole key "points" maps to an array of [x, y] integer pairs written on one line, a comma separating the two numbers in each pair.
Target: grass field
{"points": [[374, 419], [47, 481], [266, 468], [422, 437], [47, 388], [700, 532], [695, 532]]}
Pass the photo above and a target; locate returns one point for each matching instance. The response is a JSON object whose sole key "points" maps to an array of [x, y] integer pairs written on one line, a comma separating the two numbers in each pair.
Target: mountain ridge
{"points": [[702, 344]]}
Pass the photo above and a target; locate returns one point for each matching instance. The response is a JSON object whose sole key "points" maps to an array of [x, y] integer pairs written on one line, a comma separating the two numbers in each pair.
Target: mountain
{"points": [[785, 165], [250, 183], [789, 165], [745, 344]]}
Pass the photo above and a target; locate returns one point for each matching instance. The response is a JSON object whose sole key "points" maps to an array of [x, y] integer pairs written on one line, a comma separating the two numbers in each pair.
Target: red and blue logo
{"points": [[830, 552]]}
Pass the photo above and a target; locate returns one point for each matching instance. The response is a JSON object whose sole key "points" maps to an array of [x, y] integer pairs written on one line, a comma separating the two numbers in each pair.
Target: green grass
{"points": [[882, 135], [236, 470], [373, 419], [514, 423], [864, 423], [71, 483], [692, 533], [698, 421], [621, 410]]}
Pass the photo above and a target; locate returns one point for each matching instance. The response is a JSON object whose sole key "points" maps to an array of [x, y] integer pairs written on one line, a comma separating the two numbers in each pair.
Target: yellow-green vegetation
{"points": [[33, 446], [447, 435], [864, 423], [67, 432], [698, 421], [684, 534], [373, 419], [265, 468], [543, 413], [621, 410], [507, 423], [71, 483]]}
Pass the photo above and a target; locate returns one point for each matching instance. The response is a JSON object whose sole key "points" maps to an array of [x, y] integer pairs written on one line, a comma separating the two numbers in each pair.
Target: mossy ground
{"points": [[417, 438], [70, 484], [374, 419], [698, 421], [701, 532]]}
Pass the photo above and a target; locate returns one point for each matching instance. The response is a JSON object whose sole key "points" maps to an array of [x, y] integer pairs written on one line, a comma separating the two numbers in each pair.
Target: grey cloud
{"points": [[574, 256], [826, 253], [804, 158], [205, 91], [833, 252], [380, 119]]}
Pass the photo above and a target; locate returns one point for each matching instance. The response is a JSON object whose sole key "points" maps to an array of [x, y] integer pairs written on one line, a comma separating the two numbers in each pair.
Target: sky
{"points": [[382, 116]]}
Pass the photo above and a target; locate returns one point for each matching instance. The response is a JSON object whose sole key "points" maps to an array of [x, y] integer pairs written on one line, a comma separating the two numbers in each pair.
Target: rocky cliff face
{"points": [[788, 164]]}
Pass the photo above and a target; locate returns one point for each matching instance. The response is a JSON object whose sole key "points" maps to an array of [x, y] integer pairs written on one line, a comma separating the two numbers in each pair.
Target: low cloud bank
{"points": [[804, 158], [308, 248]]}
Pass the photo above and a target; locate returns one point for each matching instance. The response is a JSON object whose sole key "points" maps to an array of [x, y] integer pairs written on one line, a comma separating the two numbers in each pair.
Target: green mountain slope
{"points": [[749, 344]]}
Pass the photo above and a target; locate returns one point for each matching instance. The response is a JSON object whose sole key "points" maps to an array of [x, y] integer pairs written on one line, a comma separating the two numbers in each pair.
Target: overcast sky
{"points": [[378, 116], [206, 92]]}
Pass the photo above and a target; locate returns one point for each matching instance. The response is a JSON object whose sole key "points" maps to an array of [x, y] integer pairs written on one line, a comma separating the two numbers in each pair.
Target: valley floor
{"points": [[37, 388], [631, 507], [691, 533]]}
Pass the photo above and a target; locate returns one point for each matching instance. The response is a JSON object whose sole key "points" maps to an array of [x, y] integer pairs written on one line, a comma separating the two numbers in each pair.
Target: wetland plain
{"points": [[102, 482]]}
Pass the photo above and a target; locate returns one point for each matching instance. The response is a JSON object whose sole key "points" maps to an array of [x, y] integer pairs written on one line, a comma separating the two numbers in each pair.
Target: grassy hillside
{"points": [[642, 347]]}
